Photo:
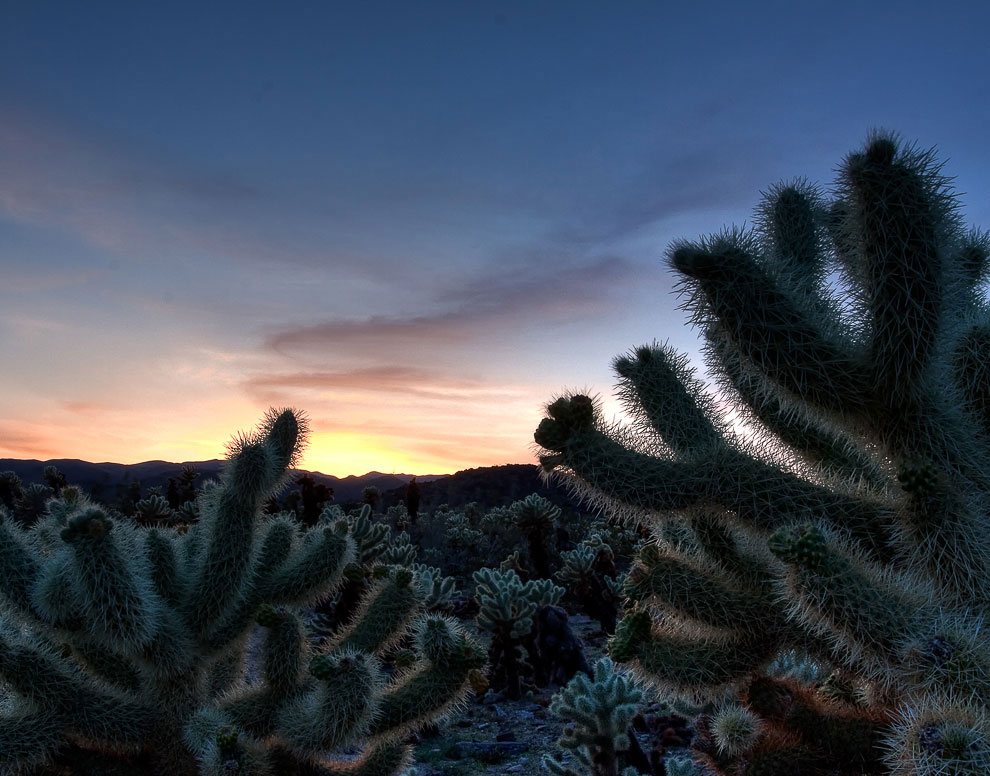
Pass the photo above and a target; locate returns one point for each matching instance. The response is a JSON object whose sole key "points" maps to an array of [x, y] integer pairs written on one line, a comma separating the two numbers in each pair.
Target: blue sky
{"points": [[418, 221]]}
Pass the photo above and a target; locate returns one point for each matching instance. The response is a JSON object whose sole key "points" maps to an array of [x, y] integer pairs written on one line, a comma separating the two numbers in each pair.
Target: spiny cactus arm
{"points": [[577, 565], [116, 596], [730, 291], [109, 665], [29, 740], [278, 543], [400, 552], [315, 570], [815, 441], [437, 684], [220, 747], [971, 362], [34, 671], [110, 722], [791, 221], [948, 656], [903, 217], [726, 547], [385, 614], [253, 710], [285, 650], [947, 539], [255, 467], [860, 606], [686, 663], [504, 612], [654, 387], [383, 759], [160, 549], [759, 494], [679, 765], [436, 590], [55, 597], [338, 709], [692, 591], [19, 569], [153, 509], [735, 729], [535, 510], [56, 688]]}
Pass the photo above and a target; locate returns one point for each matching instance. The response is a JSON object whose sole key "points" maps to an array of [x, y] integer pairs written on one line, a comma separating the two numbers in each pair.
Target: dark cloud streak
{"points": [[498, 301]]}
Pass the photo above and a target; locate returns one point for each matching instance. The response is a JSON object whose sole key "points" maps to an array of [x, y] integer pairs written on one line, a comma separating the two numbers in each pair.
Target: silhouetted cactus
{"points": [[534, 517], [123, 648], [10, 488], [412, 500], [853, 524]]}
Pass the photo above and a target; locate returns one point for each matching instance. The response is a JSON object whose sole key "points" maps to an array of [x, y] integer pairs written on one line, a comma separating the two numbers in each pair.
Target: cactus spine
{"points": [[854, 524]]}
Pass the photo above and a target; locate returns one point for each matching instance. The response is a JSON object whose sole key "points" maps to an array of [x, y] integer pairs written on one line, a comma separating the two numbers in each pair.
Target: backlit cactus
{"points": [[124, 649], [851, 521], [597, 712]]}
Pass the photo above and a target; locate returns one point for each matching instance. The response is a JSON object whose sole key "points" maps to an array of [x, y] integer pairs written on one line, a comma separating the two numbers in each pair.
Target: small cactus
{"points": [[598, 712]]}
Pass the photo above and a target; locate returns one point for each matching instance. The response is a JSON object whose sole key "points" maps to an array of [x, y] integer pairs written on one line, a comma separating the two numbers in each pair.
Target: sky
{"points": [[418, 222]]}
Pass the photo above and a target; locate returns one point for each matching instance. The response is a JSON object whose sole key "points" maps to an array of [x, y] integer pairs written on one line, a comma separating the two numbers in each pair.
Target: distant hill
{"points": [[490, 486], [104, 480]]}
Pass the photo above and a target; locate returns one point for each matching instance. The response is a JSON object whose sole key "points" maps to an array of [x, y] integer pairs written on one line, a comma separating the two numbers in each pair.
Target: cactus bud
{"points": [[804, 546], [226, 738], [403, 577], [632, 630], [269, 616]]}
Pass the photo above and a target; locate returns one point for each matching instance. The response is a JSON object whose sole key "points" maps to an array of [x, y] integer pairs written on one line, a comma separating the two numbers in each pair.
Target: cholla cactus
{"points": [[123, 648], [507, 609], [154, 510], [598, 712], [854, 524], [535, 517], [588, 573], [437, 590], [371, 536], [400, 551], [30, 502]]}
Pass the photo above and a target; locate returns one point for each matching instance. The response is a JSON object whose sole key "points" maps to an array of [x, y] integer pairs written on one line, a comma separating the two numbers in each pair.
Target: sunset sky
{"points": [[418, 221]]}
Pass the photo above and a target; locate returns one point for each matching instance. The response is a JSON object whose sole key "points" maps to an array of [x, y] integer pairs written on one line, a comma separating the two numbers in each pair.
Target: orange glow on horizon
{"points": [[343, 453], [338, 453]]}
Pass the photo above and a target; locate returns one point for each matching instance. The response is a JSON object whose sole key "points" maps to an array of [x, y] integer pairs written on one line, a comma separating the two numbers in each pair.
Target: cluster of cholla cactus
{"points": [[588, 573], [851, 522], [26, 503], [598, 737], [508, 610], [124, 649]]}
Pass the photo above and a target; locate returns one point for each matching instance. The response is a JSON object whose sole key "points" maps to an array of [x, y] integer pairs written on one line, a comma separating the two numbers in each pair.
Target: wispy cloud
{"points": [[19, 439], [489, 306], [409, 381]]}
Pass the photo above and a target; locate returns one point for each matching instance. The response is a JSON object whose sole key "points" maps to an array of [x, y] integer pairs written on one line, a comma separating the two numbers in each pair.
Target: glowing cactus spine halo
{"points": [[854, 524]]}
